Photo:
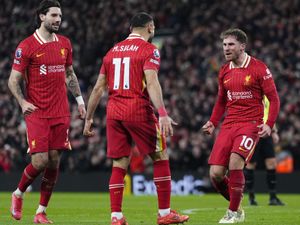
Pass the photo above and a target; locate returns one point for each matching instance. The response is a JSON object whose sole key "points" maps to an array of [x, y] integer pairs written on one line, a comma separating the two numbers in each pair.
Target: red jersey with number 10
{"points": [[43, 65], [241, 92], [124, 67]]}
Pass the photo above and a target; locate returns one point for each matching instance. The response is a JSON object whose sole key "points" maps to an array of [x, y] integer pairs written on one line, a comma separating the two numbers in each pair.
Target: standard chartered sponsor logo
{"points": [[56, 68], [51, 69], [43, 69], [236, 95], [229, 96]]}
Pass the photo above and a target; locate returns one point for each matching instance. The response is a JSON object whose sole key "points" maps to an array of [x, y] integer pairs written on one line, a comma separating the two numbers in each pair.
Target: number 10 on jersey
{"points": [[118, 63]]}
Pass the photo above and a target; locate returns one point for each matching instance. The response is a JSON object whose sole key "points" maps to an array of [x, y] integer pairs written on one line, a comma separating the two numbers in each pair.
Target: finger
{"points": [[164, 131], [173, 122], [260, 126], [34, 107], [171, 131], [27, 112], [30, 109], [82, 115]]}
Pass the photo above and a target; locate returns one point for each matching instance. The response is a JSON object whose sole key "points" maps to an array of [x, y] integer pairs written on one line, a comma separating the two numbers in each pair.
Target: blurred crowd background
{"points": [[191, 55]]}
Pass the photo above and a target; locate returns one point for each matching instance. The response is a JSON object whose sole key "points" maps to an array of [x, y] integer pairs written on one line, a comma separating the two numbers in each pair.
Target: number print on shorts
{"points": [[247, 142]]}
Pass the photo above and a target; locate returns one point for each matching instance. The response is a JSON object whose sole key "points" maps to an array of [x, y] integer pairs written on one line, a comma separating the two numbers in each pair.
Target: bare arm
{"points": [[155, 93], [94, 99], [154, 88], [72, 82], [73, 87], [14, 84]]}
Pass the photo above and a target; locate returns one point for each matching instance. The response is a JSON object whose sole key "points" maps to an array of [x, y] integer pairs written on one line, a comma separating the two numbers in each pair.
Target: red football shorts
{"points": [[121, 134], [46, 134], [238, 139]]}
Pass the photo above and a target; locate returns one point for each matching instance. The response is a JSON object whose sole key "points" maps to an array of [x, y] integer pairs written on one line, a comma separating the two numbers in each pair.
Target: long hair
{"points": [[44, 8]]}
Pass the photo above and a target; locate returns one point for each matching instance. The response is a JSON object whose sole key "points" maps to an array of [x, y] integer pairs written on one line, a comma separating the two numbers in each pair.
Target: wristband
{"points": [[162, 112], [79, 100]]}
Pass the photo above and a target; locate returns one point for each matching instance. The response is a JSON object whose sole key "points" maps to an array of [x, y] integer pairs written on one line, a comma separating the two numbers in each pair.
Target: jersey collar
{"points": [[40, 39], [135, 36], [244, 64]]}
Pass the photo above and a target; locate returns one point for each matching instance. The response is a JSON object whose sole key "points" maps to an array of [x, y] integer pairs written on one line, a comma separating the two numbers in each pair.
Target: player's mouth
{"points": [[55, 26]]}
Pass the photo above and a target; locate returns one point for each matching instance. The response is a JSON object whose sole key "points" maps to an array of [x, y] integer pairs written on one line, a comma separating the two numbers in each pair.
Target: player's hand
{"points": [[165, 125], [264, 130], [82, 111], [88, 130], [208, 128], [27, 107], [275, 137]]}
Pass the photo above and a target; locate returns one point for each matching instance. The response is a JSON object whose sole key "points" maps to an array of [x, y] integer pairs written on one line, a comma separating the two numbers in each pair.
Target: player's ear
{"points": [[149, 28], [42, 17], [243, 45]]}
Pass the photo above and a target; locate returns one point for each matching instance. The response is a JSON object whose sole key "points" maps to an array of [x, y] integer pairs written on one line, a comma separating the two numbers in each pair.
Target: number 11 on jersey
{"points": [[117, 62]]}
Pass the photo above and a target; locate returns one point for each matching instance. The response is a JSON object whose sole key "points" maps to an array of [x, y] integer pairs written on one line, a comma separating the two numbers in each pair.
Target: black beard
{"points": [[50, 30]]}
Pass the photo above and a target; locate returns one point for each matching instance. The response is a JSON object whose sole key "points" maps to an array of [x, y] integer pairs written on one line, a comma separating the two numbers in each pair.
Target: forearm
{"points": [[155, 93], [93, 102], [14, 85], [95, 96], [73, 84]]}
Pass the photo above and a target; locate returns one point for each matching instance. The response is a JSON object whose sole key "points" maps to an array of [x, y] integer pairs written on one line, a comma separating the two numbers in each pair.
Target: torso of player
{"points": [[124, 65], [45, 74], [243, 93]]}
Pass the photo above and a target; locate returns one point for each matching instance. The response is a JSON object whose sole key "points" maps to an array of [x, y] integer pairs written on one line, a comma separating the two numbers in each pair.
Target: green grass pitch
{"points": [[93, 209]]}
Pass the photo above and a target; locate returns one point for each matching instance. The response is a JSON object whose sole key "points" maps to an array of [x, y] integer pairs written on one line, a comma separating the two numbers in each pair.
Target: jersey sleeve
{"points": [[21, 58], [269, 89], [102, 68], [69, 61], [220, 104], [152, 61]]}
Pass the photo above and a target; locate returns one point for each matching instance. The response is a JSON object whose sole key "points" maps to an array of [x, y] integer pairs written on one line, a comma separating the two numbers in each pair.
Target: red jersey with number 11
{"points": [[124, 67]]}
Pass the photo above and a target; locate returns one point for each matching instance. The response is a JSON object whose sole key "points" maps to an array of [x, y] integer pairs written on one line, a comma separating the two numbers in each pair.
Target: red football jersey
{"points": [[124, 67], [43, 65], [241, 92]]}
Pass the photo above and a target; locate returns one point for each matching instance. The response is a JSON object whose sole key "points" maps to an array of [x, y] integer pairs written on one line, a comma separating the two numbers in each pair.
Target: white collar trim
{"points": [[40, 39], [134, 36], [244, 64]]}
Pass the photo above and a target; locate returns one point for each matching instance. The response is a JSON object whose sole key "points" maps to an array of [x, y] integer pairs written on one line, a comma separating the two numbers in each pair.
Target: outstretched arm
{"points": [[93, 103], [73, 86], [14, 84]]}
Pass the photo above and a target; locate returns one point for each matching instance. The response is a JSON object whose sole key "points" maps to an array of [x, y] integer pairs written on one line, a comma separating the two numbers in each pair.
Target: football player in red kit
{"points": [[130, 71], [44, 61], [243, 81]]}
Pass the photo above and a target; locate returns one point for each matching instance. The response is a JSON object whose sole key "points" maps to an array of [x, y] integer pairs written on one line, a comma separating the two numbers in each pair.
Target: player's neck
{"points": [[240, 60], [140, 33], [46, 35]]}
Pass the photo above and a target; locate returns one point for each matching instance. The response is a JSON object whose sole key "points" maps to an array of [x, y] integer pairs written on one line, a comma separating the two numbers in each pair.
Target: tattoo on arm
{"points": [[14, 84], [72, 82]]}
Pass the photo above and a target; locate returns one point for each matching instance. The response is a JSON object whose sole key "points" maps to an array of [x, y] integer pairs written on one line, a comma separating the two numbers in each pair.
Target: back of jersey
{"points": [[124, 67]]}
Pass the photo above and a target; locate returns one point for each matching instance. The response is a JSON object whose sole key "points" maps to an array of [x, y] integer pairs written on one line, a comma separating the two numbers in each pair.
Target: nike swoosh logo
{"points": [[225, 81], [39, 55]]}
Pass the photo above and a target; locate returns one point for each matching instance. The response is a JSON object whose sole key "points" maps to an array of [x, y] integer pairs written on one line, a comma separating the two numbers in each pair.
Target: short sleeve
{"points": [[102, 68], [69, 61], [152, 61], [21, 58], [266, 79]]}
